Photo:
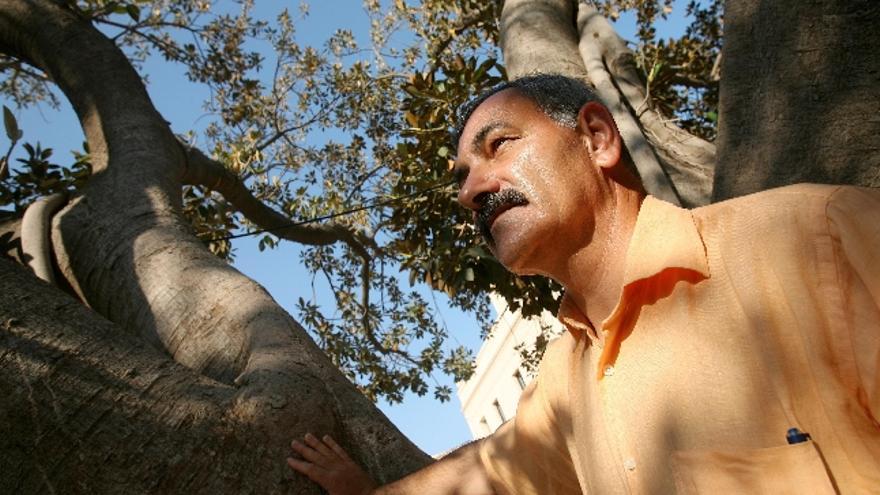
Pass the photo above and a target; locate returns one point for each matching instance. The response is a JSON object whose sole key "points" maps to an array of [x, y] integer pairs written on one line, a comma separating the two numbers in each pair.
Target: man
{"points": [[729, 349]]}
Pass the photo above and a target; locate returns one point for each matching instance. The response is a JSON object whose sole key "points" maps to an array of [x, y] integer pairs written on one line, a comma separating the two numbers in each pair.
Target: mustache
{"points": [[490, 207]]}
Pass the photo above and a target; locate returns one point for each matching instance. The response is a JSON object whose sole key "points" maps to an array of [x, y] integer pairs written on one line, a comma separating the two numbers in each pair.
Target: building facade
{"points": [[490, 396]]}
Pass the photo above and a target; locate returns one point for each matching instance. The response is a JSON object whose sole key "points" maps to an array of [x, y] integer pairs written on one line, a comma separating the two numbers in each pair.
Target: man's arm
{"points": [[459, 472], [853, 215], [326, 463]]}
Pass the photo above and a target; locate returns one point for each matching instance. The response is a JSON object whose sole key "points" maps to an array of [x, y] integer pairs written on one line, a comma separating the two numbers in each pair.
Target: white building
{"points": [[490, 396]]}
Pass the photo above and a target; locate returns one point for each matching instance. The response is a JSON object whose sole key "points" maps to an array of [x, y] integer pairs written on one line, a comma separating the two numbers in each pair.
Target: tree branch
{"points": [[210, 173], [36, 243], [592, 50], [282, 133], [687, 160], [540, 36], [204, 171], [439, 46], [123, 240], [16, 65], [169, 49]]}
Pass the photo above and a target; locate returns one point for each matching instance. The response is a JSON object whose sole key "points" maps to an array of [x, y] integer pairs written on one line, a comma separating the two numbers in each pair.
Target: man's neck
{"points": [[593, 276]]}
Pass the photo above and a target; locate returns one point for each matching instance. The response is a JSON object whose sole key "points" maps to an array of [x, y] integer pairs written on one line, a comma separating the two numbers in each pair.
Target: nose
{"points": [[476, 187]]}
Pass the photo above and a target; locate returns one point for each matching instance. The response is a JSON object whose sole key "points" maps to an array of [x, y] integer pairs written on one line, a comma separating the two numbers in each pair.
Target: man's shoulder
{"points": [[786, 201], [766, 218], [795, 193], [783, 216], [774, 205]]}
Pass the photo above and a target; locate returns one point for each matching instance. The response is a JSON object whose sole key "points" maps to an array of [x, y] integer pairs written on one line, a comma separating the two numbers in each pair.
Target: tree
{"points": [[255, 142], [806, 110], [192, 378]]}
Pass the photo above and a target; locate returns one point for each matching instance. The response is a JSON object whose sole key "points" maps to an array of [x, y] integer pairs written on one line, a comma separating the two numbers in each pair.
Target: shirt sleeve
{"points": [[854, 223], [528, 454]]}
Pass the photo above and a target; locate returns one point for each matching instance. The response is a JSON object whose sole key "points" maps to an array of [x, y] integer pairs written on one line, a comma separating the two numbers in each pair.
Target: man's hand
{"points": [[328, 465]]}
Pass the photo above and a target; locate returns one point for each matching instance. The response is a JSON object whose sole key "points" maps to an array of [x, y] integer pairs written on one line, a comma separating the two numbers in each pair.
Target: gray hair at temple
{"points": [[559, 97]]}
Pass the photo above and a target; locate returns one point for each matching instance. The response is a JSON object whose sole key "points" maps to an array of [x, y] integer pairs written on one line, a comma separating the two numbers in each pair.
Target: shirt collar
{"points": [[666, 247]]}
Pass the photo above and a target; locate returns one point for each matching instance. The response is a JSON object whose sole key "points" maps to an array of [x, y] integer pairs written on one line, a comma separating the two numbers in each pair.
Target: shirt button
{"points": [[629, 464], [609, 370]]}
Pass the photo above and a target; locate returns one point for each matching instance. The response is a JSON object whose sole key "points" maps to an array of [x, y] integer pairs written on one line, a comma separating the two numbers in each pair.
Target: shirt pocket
{"points": [[788, 469]]}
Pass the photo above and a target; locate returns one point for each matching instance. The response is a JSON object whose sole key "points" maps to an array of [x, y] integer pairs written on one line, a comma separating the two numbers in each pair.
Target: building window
{"points": [[500, 411], [520, 380], [485, 424]]}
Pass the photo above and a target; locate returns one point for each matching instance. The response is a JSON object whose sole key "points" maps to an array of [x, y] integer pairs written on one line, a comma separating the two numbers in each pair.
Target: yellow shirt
{"points": [[737, 321]]}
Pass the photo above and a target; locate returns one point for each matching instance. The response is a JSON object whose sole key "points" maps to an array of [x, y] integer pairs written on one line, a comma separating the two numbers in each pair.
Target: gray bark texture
{"points": [[88, 408], [126, 252], [800, 95], [540, 36]]}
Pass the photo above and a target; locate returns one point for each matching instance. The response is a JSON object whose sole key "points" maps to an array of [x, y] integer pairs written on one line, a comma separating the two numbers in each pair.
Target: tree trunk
{"points": [[540, 36], [88, 408], [800, 95], [126, 251]]}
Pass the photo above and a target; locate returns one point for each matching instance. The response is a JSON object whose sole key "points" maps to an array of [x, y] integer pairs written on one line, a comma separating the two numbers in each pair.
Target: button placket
{"points": [[621, 452]]}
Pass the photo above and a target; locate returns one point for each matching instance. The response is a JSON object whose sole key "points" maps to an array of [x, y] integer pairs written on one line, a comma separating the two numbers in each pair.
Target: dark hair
{"points": [[559, 97]]}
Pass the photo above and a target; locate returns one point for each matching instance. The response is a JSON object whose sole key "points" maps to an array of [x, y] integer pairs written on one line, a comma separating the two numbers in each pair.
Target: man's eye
{"points": [[498, 142]]}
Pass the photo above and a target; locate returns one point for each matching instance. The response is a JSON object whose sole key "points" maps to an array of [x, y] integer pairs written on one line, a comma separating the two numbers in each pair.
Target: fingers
{"points": [[312, 471], [336, 448], [327, 464], [318, 445], [324, 452], [308, 453]]}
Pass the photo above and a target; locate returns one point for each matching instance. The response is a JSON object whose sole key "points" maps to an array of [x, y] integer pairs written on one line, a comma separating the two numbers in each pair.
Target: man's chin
{"points": [[511, 257]]}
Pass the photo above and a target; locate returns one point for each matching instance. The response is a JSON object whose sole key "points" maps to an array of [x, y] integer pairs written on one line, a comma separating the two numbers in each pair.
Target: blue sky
{"points": [[433, 426]]}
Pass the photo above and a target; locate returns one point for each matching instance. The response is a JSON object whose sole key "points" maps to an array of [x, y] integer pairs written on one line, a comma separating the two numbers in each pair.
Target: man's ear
{"points": [[600, 134]]}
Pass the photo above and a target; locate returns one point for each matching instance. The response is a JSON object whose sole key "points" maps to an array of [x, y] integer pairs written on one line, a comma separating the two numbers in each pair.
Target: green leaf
{"points": [[12, 130], [654, 71], [712, 116], [134, 12]]}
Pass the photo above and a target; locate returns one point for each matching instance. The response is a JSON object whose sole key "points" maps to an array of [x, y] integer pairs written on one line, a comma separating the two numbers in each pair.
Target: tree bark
{"points": [[800, 95], [88, 408], [540, 36], [36, 242], [126, 251]]}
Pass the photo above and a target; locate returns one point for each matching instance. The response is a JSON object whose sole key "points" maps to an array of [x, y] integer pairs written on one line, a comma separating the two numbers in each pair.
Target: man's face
{"points": [[529, 182]]}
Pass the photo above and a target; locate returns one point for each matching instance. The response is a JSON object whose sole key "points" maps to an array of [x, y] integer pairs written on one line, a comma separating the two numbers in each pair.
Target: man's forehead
{"points": [[505, 107], [503, 102]]}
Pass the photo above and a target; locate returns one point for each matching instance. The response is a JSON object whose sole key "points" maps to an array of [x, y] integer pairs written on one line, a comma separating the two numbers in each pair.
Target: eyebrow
{"points": [[479, 137]]}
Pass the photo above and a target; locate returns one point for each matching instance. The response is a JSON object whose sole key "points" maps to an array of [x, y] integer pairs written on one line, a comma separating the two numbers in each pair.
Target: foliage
{"points": [[681, 74], [318, 130], [37, 176]]}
